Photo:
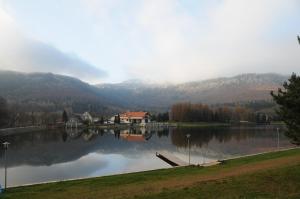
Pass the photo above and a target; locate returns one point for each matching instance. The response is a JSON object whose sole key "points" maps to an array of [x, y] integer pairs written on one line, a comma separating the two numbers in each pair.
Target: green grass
{"points": [[279, 182]]}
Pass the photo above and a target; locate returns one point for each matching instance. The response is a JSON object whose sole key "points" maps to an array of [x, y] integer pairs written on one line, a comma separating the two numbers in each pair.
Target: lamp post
{"points": [[188, 139], [5, 144], [277, 138]]}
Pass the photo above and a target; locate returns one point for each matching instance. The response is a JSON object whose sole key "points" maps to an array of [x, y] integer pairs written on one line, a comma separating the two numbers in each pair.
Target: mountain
{"points": [[47, 91], [241, 88]]}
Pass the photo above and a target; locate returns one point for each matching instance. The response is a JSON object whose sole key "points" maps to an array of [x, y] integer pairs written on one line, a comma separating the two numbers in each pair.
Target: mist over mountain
{"points": [[47, 91], [241, 88]]}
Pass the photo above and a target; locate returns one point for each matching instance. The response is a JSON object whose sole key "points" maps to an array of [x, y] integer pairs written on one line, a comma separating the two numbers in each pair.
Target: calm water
{"points": [[54, 155]]}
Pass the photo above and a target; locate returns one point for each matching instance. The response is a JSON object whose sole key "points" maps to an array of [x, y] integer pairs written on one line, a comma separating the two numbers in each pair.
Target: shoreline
{"points": [[248, 174], [152, 170]]}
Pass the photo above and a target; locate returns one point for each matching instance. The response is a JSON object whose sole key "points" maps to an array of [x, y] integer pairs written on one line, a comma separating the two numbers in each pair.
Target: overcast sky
{"points": [[156, 40]]}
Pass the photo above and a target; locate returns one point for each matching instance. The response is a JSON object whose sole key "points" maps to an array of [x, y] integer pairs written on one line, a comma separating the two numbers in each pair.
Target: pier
{"points": [[171, 159]]}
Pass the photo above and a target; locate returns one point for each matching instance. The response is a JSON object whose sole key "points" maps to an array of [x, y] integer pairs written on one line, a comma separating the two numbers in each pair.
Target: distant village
{"points": [[130, 118]]}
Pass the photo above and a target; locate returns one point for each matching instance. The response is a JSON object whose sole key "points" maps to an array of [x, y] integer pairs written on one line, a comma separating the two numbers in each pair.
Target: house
{"points": [[135, 117], [86, 116], [75, 120]]}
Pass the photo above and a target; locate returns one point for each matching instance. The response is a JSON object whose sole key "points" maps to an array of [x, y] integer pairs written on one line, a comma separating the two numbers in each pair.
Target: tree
{"points": [[161, 117], [65, 117], [117, 119], [288, 100], [102, 120], [4, 116]]}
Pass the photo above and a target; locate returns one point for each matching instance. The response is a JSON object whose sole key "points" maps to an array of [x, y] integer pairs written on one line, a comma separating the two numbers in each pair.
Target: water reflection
{"points": [[57, 155]]}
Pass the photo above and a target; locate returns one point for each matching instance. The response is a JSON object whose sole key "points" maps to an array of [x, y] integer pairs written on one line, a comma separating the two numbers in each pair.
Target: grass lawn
{"points": [[272, 175]]}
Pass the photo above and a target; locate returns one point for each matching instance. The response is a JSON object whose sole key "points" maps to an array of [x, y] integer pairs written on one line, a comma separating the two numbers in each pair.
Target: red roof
{"points": [[134, 114]]}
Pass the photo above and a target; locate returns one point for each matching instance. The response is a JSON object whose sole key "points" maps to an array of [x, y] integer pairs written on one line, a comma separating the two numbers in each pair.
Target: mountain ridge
{"points": [[240, 88], [54, 92]]}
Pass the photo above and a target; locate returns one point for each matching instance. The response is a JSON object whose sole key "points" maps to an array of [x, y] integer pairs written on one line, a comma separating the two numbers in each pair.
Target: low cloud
{"points": [[21, 53], [173, 42], [158, 40]]}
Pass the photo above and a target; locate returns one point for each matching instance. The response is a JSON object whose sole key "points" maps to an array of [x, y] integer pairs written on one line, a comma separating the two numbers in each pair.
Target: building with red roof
{"points": [[135, 117]]}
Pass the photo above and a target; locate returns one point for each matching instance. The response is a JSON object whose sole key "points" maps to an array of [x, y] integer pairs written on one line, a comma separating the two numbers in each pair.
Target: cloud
{"points": [[231, 37], [161, 40], [21, 53], [220, 38]]}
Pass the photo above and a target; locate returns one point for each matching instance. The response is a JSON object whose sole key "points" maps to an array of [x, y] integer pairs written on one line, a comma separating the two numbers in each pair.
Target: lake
{"points": [[60, 155]]}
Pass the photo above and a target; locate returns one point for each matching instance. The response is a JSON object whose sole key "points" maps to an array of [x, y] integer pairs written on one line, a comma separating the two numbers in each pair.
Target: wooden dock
{"points": [[171, 159], [209, 164]]}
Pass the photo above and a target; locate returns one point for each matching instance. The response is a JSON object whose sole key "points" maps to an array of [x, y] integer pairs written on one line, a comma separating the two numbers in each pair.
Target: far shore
{"points": [[28, 129]]}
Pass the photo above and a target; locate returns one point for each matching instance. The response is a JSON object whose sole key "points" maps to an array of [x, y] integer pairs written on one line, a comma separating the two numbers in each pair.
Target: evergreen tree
{"points": [[288, 100], [65, 117]]}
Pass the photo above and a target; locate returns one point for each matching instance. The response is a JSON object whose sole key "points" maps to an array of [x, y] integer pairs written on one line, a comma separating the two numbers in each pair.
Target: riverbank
{"points": [[201, 124], [271, 175], [274, 125]]}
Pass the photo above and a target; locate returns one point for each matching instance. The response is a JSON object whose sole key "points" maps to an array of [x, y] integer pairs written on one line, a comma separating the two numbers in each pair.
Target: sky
{"points": [[154, 40]]}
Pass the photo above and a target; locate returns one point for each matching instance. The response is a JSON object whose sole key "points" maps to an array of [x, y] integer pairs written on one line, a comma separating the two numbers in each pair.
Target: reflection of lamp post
{"points": [[188, 139], [5, 144]]}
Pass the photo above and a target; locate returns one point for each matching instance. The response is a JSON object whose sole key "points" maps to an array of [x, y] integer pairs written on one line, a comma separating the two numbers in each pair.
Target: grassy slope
{"points": [[263, 176], [274, 183]]}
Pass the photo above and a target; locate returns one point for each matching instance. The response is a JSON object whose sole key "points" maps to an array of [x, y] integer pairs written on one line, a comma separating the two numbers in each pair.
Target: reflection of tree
{"points": [[163, 132], [117, 133], [201, 136], [19, 141], [64, 136]]}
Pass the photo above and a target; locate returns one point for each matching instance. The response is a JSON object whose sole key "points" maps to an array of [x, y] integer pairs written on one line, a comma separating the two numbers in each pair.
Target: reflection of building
{"points": [[133, 137], [140, 131], [135, 117]]}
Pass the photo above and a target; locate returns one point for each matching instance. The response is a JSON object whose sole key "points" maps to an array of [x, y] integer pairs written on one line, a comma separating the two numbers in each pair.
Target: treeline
{"points": [[160, 117], [12, 115], [187, 112]]}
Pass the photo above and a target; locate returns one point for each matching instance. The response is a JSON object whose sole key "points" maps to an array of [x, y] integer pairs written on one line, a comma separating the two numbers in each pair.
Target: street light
{"points": [[5, 144], [188, 139], [277, 138]]}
